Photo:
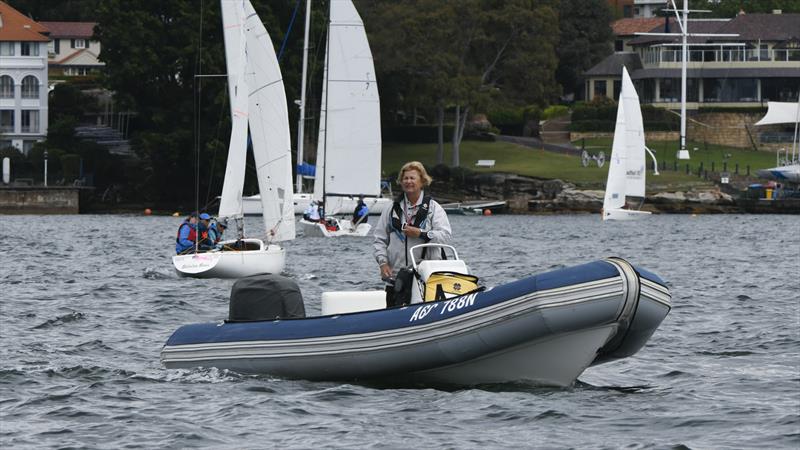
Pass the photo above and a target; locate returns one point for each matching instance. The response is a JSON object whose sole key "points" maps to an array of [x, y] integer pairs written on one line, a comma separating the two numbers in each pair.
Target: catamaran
{"points": [[258, 102], [787, 168]]}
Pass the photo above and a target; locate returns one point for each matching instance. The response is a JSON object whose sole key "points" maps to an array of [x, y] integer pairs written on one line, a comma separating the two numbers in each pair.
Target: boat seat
{"points": [[341, 302], [427, 267]]}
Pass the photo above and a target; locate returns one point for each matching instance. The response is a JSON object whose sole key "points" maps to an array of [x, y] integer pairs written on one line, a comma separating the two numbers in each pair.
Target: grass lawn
{"points": [[529, 162]]}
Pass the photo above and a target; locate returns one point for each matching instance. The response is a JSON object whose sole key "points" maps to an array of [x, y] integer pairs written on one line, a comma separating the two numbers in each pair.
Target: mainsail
{"points": [[349, 145], [269, 129]]}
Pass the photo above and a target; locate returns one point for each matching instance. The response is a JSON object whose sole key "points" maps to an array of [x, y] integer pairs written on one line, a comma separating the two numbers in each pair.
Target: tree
{"points": [[585, 39]]}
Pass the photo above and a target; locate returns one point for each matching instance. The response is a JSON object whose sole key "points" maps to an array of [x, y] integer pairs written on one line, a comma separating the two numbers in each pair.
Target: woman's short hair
{"points": [[415, 165]]}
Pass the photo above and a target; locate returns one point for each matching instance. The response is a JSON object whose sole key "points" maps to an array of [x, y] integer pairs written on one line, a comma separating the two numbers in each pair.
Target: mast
{"points": [[302, 119], [682, 17], [327, 90]]}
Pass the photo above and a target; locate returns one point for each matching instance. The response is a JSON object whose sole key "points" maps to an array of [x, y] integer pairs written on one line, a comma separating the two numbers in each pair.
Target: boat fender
{"points": [[265, 297]]}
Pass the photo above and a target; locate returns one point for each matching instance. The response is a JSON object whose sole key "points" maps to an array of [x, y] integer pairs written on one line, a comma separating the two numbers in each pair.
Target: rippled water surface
{"points": [[88, 301]]}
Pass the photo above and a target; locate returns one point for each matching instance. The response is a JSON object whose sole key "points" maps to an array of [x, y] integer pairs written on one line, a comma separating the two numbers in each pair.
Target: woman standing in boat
{"points": [[415, 218]]}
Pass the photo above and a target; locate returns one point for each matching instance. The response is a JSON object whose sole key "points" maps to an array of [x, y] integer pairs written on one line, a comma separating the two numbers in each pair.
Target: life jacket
{"points": [[192, 232], [419, 218]]}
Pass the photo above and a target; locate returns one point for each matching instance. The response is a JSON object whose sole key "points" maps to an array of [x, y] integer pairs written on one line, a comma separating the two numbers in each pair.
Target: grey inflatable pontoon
{"points": [[544, 329]]}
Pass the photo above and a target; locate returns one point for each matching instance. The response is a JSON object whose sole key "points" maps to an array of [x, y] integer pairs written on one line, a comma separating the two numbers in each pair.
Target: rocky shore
{"points": [[526, 195]]}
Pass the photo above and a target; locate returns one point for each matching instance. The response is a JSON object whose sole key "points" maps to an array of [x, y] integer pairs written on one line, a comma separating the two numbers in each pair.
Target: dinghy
{"points": [[258, 101], [349, 146], [543, 329], [626, 172]]}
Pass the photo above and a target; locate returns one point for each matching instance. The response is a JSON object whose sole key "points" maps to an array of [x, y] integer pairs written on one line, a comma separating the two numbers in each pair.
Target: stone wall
{"points": [[649, 135], [729, 129], [39, 200]]}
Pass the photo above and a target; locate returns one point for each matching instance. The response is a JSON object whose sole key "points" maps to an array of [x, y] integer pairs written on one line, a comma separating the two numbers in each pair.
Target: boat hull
{"points": [[231, 264], [624, 214], [316, 229], [789, 173], [251, 205], [544, 329]]}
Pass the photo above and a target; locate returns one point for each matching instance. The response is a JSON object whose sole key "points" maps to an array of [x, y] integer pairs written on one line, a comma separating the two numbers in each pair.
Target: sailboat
{"points": [[301, 200], [787, 169], [258, 102], [349, 146], [626, 172]]}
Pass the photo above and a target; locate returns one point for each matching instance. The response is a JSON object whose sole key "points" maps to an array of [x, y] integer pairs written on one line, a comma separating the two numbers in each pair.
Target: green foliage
{"points": [[585, 39], [555, 111]]}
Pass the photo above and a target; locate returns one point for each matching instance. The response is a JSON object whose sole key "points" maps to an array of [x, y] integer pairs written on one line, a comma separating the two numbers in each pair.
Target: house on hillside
{"points": [[72, 51], [23, 80], [762, 63]]}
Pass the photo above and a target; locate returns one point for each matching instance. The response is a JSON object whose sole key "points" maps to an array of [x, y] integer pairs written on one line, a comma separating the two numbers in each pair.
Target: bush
{"points": [[555, 111]]}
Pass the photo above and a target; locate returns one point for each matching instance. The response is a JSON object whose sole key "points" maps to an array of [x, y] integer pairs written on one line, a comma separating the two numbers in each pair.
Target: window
{"points": [[617, 88], [30, 87], [627, 11], [6, 87], [58, 46], [30, 121], [729, 90], [5, 144], [27, 146], [7, 48], [6, 120], [600, 88], [30, 49], [619, 45], [78, 43]]}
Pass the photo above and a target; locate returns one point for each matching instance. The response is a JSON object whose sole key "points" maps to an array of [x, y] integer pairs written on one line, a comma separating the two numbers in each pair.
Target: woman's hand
{"points": [[386, 271], [410, 231]]}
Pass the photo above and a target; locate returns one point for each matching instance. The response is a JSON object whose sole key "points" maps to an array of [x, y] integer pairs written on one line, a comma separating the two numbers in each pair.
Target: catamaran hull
{"points": [[789, 174], [251, 205], [624, 214], [316, 229], [231, 264], [545, 329]]}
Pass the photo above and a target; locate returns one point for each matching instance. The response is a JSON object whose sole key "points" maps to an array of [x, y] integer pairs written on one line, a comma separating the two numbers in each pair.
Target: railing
{"points": [[659, 55]]}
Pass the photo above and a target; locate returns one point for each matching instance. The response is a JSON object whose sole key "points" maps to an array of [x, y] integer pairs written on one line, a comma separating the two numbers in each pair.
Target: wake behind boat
{"points": [[544, 329]]}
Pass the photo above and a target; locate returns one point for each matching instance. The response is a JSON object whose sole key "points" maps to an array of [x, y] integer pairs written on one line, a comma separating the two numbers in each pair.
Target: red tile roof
{"points": [[629, 26], [82, 30], [15, 26]]}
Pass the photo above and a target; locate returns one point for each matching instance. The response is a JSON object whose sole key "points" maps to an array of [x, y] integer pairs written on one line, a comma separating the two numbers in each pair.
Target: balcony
{"points": [[720, 57]]}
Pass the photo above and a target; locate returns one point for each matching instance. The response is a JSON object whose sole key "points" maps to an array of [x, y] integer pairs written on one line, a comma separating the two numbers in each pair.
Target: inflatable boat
{"points": [[544, 329]]}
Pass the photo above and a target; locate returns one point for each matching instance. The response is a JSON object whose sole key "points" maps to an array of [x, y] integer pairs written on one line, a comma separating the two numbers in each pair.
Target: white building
{"points": [[23, 80], [72, 51]]}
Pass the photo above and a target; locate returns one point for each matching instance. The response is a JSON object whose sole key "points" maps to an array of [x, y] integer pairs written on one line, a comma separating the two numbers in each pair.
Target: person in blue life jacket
{"points": [[414, 218], [187, 235], [215, 230], [204, 228], [361, 213]]}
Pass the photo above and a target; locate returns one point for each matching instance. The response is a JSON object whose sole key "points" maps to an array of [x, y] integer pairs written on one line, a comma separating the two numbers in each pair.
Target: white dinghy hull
{"points": [[316, 229], [624, 214], [231, 263]]}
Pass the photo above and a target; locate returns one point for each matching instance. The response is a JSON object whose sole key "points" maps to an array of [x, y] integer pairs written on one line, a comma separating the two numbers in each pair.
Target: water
{"points": [[88, 301]]}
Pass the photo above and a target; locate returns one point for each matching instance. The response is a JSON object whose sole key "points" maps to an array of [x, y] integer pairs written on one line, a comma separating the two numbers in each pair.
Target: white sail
{"points": [[615, 186], [634, 139], [349, 149], [269, 130], [233, 17]]}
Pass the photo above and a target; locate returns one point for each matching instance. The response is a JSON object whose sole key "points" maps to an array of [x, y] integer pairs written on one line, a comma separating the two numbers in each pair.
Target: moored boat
{"points": [[544, 329]]}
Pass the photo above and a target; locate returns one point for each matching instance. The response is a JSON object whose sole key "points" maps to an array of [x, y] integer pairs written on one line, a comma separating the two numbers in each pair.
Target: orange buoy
{"points": [[487, 212], [148, 211]]}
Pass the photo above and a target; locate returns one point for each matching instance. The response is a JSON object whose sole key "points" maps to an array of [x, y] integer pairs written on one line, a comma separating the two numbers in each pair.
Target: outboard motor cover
{"points": [[265, 297]]}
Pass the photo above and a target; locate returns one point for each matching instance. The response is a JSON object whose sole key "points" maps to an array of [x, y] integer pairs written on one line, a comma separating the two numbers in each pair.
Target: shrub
{"points": [[554, 111]]}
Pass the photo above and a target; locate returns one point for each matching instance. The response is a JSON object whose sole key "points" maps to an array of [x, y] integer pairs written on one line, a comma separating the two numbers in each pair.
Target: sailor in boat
{"points": [[187, 235], [215, 231], [204, 228], [361, 213], [414, 218], [311, 213]]}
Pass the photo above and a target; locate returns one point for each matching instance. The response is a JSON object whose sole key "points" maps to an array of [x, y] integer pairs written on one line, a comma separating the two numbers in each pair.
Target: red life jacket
{"points": [[192, 233]]}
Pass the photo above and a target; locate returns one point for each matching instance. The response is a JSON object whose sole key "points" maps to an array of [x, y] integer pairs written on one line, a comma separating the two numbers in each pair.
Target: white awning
{"points": [[781, 112]]}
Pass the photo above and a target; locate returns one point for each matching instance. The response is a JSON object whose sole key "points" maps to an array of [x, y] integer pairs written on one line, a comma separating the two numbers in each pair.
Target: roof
{"points": [[749, 27], [767, 27], [632, 25], [712, 26], [15, 26], [83, 30], [613, 63]]}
